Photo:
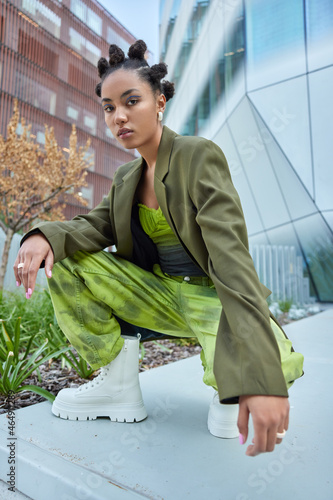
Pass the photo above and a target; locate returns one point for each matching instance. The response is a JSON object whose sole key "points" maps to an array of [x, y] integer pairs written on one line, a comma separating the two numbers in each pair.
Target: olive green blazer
{"points": [[194, 189]]}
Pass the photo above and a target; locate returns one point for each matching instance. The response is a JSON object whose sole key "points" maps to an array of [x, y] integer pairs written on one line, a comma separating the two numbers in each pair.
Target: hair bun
{"points": [[116, 55], [102, 66], [137, 50], [159, 70], [168, 89]]}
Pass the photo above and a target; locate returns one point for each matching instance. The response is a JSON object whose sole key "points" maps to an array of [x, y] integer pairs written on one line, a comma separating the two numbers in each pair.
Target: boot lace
{"points": [[96, 380]]}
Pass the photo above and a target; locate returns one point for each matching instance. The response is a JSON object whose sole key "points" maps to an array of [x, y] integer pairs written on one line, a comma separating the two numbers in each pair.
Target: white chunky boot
{"points": [[222, 419], [114, 393]]}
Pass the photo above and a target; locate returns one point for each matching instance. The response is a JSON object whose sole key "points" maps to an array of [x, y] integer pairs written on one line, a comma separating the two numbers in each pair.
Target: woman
{"points": [[182, 251]]}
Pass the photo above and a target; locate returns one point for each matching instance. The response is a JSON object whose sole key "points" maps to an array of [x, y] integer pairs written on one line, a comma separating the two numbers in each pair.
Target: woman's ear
{"points": [[161, 101]]}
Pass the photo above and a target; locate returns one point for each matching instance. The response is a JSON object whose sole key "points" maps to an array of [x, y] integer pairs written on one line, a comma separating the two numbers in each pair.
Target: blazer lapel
{"points": [[123, 201], [162, 169]]}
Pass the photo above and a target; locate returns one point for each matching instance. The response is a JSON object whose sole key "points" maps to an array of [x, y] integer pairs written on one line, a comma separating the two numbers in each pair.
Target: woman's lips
{"points": [[125, 133]]}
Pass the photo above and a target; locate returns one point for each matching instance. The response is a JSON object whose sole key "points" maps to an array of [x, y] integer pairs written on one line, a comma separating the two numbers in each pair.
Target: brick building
{"points": [[48, 55]]}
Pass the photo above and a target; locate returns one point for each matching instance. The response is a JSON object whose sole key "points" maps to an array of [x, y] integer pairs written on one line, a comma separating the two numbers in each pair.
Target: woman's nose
{"points": [[120, 115]]}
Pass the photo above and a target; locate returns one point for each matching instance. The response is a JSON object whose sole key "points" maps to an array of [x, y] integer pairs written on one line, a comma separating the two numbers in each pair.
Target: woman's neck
{"points": [[149, 151]]}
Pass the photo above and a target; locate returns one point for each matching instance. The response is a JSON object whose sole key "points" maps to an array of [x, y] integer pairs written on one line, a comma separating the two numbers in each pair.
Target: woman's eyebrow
{"points": [[107, 99]]}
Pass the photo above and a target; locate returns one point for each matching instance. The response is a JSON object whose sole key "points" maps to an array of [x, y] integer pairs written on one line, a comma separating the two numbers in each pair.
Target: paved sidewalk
{"points": [[171, 455]]}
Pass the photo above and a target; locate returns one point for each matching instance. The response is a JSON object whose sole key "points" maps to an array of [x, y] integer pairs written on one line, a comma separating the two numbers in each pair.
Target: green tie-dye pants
{"points": [[91, 291]]}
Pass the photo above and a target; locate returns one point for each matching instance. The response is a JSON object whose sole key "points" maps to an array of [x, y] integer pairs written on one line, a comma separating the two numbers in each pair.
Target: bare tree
{"points": [[35, 182]]}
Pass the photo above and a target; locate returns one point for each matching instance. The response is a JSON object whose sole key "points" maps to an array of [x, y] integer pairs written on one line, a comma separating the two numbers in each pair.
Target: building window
{"points": [[44, 16], [221, 78], [94, 22], [88, 16], [82, 45], [192, 34], [113, 37], [40, 137], [108, 133], [76, 40], [93, 53], [89, 121], [87, 193], [90, 157], [34, 93], [72, 113]]}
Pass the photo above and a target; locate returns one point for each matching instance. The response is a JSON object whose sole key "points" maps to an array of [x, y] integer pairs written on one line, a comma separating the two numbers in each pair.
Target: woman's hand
{"points": [[270, 414], [33, 251]]}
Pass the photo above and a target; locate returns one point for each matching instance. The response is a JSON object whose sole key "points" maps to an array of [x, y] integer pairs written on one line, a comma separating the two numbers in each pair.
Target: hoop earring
{"points": [[160, 116]]}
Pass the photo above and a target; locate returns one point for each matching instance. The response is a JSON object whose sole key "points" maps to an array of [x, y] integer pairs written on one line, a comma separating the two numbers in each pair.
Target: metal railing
{"points": [[281, 270]]}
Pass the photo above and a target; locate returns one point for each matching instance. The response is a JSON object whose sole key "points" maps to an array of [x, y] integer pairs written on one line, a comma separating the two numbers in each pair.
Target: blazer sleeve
{"points": [[91, 232], [247, 359]]}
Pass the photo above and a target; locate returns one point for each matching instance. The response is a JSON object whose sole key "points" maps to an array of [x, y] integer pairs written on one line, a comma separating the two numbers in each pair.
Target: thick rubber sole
{"points": [[133, 412], [222, 426]]}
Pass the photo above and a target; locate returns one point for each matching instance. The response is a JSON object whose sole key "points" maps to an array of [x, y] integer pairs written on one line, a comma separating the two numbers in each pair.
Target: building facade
{"points": [[255, 76], [48, 60]]}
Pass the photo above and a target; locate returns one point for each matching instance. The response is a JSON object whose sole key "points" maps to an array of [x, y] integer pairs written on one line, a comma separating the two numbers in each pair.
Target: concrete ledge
{"points": [[171, 455]]}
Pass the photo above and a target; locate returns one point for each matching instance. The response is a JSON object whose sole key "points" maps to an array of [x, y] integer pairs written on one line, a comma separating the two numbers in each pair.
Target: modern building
{"points": [[256, 77], [48, 55]]}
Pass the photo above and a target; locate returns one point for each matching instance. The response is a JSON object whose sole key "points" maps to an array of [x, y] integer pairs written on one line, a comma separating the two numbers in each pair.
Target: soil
{"points": [[54, 378]]}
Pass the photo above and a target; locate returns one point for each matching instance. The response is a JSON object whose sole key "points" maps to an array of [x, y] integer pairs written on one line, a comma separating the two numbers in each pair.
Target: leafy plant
{"points": [[285, 305], [16, 367], [69, 358]]}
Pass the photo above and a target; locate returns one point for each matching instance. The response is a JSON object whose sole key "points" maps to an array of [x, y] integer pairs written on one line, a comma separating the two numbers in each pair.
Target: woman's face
{"points": [[131, 109]]}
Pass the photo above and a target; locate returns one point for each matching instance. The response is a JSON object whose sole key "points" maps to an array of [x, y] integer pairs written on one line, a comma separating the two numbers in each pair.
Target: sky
{"points": [[140, 17]]}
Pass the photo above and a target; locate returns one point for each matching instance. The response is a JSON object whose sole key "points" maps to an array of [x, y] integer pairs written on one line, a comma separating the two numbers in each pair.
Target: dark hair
{"points": [[135, 61]]}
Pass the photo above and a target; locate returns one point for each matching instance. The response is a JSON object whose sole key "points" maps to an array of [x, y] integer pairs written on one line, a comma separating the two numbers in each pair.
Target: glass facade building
{"points": [[48, 60], [255, 76]]}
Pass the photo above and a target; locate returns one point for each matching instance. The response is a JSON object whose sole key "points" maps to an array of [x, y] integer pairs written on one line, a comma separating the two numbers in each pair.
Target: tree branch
{"points": [[41, 202]]}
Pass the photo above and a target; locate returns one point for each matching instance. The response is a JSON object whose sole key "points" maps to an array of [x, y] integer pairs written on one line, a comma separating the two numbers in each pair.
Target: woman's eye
{"points": [[108, 109], [133, 101]]}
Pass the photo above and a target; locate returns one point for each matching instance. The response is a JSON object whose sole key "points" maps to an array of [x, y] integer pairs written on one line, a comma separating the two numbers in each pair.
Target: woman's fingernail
{"points": [[29, 291], [17, 283], [241, 439], [49, 273]]}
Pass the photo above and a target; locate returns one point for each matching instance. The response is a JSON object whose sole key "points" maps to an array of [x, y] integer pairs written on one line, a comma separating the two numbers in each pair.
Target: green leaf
{"points": [[6, 337], [17, 335], [38, 390]]}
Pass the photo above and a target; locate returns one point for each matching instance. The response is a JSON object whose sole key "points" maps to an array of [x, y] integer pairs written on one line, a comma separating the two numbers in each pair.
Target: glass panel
{"points": [[44, 16], [171, 25], [76, 39], [89, 121], [284, 109], [226, 79], [162, 3], [93, 53], [88, 194], [79, 9], [251, 214], [40, 137], [261, 177], [34, 93], [191, 35], [328, 216], [317, 246], [274, 41], [72, 113], [296, 197], [90, 156], [289, 279], [319, 31], [108, 133], [321, 84], [82, 45], [94, 22]]}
